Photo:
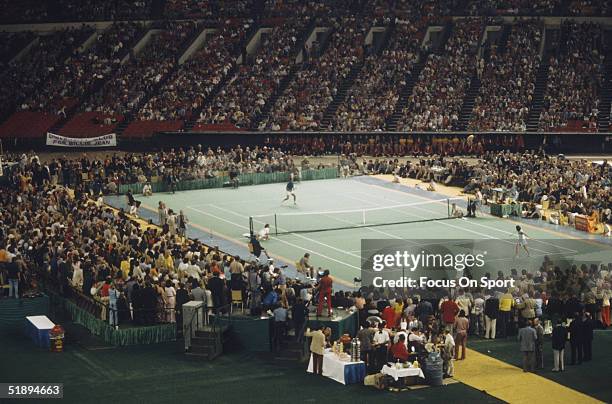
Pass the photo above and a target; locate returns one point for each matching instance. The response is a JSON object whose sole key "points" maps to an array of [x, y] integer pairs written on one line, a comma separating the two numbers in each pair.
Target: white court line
{"points": [[480, 224], [461, 228], [295, 234], [282, 241], [376, 230]]}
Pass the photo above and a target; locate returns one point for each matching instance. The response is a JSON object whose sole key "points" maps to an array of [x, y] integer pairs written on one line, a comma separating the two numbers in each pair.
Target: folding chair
{"points": [[237, 300]]}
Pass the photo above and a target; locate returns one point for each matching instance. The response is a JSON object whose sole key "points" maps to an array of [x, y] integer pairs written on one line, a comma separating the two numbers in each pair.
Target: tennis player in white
{"points": [[522, 242]]}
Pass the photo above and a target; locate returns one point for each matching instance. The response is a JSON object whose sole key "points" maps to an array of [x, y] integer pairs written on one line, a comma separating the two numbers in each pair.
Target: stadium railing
{"points": [[221, 181]]}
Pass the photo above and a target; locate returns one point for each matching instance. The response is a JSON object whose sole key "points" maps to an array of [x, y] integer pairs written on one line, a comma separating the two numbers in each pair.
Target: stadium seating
{"points": [[307, 66], [90, 124], [145, 129], [27, 124]]}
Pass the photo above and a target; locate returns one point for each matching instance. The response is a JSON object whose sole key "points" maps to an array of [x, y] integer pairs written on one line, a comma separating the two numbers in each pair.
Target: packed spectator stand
{"points": [[508, 81], [208, 65]]}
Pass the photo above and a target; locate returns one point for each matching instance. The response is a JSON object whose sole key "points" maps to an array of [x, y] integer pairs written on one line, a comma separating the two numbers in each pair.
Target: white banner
{"points": [[100, 141]]}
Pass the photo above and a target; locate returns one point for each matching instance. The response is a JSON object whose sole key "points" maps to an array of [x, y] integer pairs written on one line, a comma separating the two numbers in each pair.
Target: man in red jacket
{"points": [[449, 310], [325, 289]]}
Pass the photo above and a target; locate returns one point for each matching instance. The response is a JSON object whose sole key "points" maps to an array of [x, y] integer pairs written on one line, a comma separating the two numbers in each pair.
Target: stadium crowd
{"points": [[256, 80], [211, 90], [143, 72], [143, 274], [516, 7], [82, 71], [574, 186], [371, 101], [303, 103], [36, 11], [24, 78], [186, 90], [438, 95], [580, 62], [105, 174], [508, 81]]}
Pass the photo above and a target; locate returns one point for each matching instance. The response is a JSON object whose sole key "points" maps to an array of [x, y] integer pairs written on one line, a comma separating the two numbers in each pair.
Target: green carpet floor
{"points": [[592, 378], [92, 373]]}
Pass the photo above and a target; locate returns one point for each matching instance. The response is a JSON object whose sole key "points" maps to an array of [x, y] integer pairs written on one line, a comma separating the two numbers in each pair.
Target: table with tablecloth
{"points": [[37, 328], [396, 373], [339, 370]]}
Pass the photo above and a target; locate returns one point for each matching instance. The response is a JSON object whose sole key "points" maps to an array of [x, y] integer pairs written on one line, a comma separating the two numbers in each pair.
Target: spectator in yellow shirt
{"points": [[506, 303], [125, 267]]}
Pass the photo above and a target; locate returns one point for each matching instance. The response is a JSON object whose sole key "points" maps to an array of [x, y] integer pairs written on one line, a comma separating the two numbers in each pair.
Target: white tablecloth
{"points": [[41, 322], [37, 328], [333, 367], [396, 373]]}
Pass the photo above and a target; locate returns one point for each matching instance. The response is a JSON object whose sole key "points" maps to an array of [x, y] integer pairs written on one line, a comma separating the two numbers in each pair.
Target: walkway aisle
{"points": [[511, 384]]}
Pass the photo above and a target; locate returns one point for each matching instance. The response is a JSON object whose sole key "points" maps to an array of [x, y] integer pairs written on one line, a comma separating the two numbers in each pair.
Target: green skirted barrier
{"points": [[245, 179], [123, 336], [249, 333], [14, 311], [346, 324], [505, 209]]}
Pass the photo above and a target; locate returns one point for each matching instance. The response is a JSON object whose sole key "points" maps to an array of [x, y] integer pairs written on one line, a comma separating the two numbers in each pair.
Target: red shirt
{"points": [[399, 351], [388, 315], [325, 284], [449, 310]]}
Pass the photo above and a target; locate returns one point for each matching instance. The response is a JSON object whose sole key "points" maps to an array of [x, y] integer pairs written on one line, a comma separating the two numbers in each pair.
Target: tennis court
{"points": [[349, 210]]}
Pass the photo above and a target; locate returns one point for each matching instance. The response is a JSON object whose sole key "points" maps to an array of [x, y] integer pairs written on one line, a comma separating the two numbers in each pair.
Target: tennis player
{"points": [[522, 241], [290, 192]]}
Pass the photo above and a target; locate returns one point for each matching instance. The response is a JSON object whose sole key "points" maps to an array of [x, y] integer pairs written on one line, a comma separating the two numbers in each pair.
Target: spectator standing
{"points": [[528, 337], [491, 312], [299, 314], [280, 326], [506, 303], [317, 348], [449, 310], [462, 325], [576, 341], [559, 338], [587, 326], [182, 224], [539, 348], [171, 299], [478, 315], [113, 315], [13, 278], [325, 291]]}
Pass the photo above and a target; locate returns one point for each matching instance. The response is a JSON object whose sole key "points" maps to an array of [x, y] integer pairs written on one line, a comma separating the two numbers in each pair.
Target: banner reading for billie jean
{"points": [[440, 265], [100, 141]]}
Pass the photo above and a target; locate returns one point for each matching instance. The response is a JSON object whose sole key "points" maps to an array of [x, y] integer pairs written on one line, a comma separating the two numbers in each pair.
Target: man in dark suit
{"points": [[216, 287], [559, 338], [299, 314], [423, 310], [587, 326], [576, 340]]}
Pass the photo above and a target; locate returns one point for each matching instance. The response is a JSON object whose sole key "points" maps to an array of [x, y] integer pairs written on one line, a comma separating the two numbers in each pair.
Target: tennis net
{"points": [[307, 222]]}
